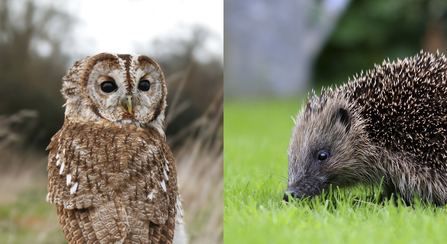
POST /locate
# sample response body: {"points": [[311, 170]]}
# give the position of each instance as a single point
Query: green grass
{"points": [[30, 219], [256, 137]]}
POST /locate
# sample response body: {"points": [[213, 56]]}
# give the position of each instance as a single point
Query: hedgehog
{"points": [[385, 128]]}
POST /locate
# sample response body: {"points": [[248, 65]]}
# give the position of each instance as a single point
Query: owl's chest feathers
{"points": [[116, 155]]}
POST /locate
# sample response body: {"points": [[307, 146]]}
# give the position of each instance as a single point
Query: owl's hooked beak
{"points": [[129, 103]]}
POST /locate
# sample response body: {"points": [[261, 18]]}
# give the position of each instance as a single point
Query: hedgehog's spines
{"points": [[314, 97], [322, 92], [395, 93], [404, 108]]}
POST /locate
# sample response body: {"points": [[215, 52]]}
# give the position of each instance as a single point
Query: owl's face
{"points": [[116, 88]]}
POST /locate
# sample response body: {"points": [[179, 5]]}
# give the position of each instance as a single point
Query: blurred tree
{"points": [[32, 63], [371, 31], [193, 83]]}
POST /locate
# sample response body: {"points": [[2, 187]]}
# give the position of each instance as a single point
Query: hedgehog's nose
{"points": [[286, 196]]}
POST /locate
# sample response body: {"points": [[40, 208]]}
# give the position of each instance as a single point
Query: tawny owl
{"points": [[110, 172]]}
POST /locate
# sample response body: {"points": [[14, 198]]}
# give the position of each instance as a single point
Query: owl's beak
{"points": [[129, 103]]}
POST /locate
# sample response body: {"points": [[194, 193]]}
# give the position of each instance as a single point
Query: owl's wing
{"points": [[89, 166], [73, 182], [152, 191]]}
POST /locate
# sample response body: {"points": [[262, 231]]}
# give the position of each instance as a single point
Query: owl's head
{"points": [[115, 87]]}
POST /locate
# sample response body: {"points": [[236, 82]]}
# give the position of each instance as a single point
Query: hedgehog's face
{"points": [[323, 151]]}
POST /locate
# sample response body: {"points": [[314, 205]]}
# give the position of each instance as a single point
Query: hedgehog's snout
{"points": [[292, 194], [297, 193], [306, 186], [286, 196]]}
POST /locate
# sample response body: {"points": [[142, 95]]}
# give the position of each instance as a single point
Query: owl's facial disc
{"points": [[120, 92]]}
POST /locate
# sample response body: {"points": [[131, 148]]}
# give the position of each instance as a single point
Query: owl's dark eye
{"points": [[108, 86], [322, 155], [144, 85]]}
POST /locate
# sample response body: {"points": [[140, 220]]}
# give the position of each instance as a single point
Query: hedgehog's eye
{"points": [[322, 155]]}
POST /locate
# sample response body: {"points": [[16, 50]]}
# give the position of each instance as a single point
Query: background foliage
{"points": [[372, 31]]}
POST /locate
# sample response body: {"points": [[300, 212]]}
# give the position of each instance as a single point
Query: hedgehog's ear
{"points": [[342, 116]]}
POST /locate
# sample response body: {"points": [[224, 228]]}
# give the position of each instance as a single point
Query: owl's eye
{"points": [[144, 85], [108, 86], [322, 155]]}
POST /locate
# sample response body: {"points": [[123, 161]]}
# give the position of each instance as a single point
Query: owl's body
{"points": [[111, 173]]}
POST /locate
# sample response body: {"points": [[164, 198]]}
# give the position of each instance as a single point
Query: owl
{"points": [[110, 172]]}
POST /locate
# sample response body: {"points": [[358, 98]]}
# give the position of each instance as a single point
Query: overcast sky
{"points": [[122, 25]]}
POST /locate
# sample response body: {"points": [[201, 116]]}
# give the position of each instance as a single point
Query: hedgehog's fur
{"points": [[388, 124]]}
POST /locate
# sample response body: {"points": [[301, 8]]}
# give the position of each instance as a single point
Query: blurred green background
{"points": [[370, 32]]}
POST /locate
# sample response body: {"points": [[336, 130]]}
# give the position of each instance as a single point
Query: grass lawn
{"points": [[256, 137]]}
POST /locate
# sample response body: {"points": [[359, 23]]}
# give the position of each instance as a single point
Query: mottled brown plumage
{"points": [[110, 172], [388, 124]]}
